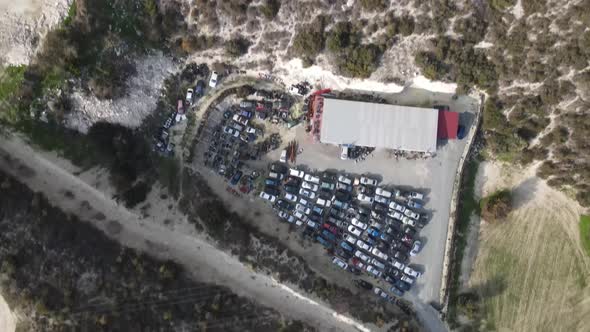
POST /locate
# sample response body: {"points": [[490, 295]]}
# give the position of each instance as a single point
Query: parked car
{"points": [[397, 264], [412, 214], [296, 173], [189, 96], [416, 195], [331, 228], [400, 256], [343, 187], [283, 215], [275, 175], [213, 79], [302, 208], [363, 284], [379, 254], [291, 189], [396, 291], [373, 232], [345, 180], [379, 292], [396, 215], [373, 271], [328, 236], [414, 204], [358, 223], [240, 120], [377, 264], [312, 179], [323, 202], [283, 157], [412, 273], [236, 178], [312, 224], [307, 193], [327, 186], [383, 192], [362, 245], [346, 246], [327, 244], [364, 198], [268, 197], [271, 182], [299, 215], [409, 222], [362, 256], [381, 199], [416, 247], [247, 104], [310, 186], [407, 279], [231, 131], [349, 238], [200, 88], [354, 231], [402, 286], [368, 181], [343, 152], [291, 197]]}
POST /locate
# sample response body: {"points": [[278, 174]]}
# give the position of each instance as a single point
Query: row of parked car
{"points": [[368, 228]]}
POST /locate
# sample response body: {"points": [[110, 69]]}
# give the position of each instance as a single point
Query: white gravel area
{"points": [[7, 319], [23, 23], [144, 88]]}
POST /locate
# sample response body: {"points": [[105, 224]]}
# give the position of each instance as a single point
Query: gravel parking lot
{"points": [[433, 176]]}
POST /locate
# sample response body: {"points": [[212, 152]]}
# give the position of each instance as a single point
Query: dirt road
{"points": [[7, 321], [201, 259]]}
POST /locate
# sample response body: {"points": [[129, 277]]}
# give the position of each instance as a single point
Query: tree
{"points": [[237, 47], [270, 9], [496, 206]]}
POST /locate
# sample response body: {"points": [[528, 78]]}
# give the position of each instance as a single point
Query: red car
{"points": [[331, 228]]}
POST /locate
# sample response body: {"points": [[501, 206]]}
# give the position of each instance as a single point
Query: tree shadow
{"points": [[524, 192]]}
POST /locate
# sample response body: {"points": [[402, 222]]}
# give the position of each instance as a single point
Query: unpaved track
{"points": [[200, 258], [7, 321]]}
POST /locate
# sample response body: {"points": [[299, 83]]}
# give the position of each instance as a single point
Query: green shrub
{"points": [[308, 42], [360, 61], [339, 38], [373, 5], [237, 47], [270, 9], [501, 4], [496, 206]]}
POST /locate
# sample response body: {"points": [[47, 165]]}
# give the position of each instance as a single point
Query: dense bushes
{"points": [[373, 5], [237, 47], [360, 61], [496, 206], [309, 42], [270, 8]]}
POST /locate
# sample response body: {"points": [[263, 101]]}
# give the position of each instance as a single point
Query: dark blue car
{"points": [[236, 178], [271, 182], [323, 242], [329, 236]]}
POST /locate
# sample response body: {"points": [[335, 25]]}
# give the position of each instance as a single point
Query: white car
{"points": [[396, 215], [298, 222], [416, 247], [283, 215], [368, 181], [362, 256], [294, 89], [379, 254], [407, 279], [379, 292], [275, 175], [377, 264], [365, 198], [296, 173], [359, 224], [292, 219], [290, 197], [349, 238], [373, 271], [412, 214], [416, 195], [270, 198], [383, 192], [381, 199], [397, 264], [361, 244], [409, 222], [213, 79], [343, 152], [310, 186], [340, 263], [231, 131], [397, 207], [344, 180], [312, 224], [299, 215], [307, 193], [354, 231], [312, 179], [323, 202], [189, 96], [302, 208], [303, 201], [411, 272], [283, 157]]}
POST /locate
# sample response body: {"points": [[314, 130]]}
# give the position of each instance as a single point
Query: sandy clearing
{"points": [[531, 270], [7, 319], [201, 259]]}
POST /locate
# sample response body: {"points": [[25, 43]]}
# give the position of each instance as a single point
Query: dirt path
{"points": [[200, 258], [7, 320]]}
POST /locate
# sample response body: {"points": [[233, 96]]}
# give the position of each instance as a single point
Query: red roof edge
{"points": [[448, 124]]}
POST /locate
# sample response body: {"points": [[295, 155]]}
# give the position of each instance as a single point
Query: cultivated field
{"points": [[530, 270]]}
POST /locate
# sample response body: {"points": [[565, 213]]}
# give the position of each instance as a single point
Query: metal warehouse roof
{"points": [[379, 125]]}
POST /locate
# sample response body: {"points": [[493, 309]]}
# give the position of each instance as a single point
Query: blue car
{"points": [[329, 236], [323, 242], [396, 291], [373, 232], [403, 286], [271, 182], [346, 246], [415, 205], [246, 114], [236, 178]]}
